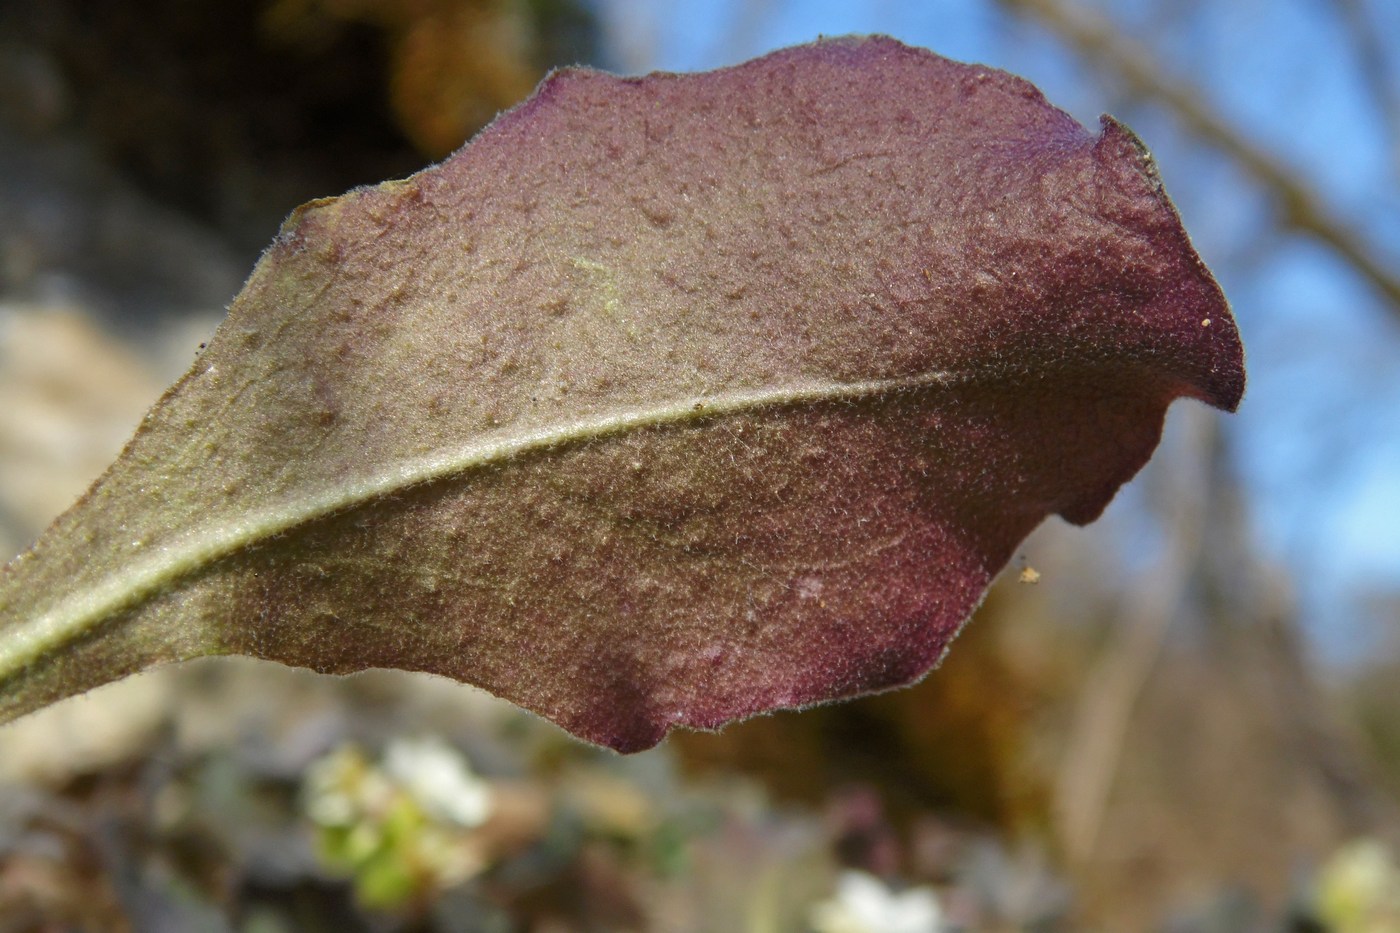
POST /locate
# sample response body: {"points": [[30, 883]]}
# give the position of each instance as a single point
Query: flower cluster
{"points": [[864, 904], [403, 828]]}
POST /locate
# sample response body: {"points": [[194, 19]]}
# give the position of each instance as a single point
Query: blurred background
{"points": [[1191, 723]]}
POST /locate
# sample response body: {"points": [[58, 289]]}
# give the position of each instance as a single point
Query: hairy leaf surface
{"points": [[665, 401]]}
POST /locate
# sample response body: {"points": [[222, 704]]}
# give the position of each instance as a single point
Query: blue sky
{"points": [[1318, 438]]}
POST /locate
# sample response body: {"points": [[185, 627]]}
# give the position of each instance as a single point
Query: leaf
{"points": [[665, 401]]}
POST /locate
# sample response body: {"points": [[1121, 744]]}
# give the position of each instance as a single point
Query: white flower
{"points": [[863, 904], [332, 789], [1359, 889], [439, 779]]}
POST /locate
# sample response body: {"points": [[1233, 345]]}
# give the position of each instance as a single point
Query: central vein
{"points": [[145, 578]]}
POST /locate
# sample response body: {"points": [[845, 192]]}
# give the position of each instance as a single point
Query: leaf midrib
{"points": [[29, 642]]}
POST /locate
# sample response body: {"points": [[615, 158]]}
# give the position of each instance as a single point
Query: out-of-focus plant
{"points": [[1358, 889], [405, 827], [865, 904]]}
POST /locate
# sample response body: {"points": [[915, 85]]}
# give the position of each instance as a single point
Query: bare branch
{"points": [[1109, 701], [1300, 208]]}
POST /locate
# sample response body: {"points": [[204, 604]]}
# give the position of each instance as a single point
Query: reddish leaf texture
{"points": [[664, 402]]}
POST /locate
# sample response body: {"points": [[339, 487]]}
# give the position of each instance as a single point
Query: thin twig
{"points": [[1109, 700]]}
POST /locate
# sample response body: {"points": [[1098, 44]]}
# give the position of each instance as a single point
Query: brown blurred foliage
{"points": [[238, 111], [452, 65]]}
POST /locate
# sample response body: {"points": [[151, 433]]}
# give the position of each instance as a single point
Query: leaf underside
{"points": [[665, 401]]}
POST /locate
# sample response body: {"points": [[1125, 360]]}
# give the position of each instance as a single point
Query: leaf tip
{"points": [[1211, 361]]}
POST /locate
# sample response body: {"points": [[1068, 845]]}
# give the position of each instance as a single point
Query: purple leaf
{"points": [[665, 401]]}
